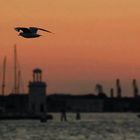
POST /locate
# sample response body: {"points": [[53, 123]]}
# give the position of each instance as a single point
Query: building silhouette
{"points": [[112, 93], [37, 93], [35, 102], [135, 88]]}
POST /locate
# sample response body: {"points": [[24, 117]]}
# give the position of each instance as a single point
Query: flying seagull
{"points": [[30, 32]]}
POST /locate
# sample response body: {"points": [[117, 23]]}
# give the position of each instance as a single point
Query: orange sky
{"points": [[95, 41]]}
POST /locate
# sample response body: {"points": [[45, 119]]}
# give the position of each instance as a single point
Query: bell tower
{"points": [[37, 93], [37, 75]]}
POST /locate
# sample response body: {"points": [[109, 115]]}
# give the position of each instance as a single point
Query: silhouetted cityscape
{"points": [[36, 101]]}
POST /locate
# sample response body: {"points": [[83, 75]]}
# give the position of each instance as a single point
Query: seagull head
{"points": [[20, 34]]}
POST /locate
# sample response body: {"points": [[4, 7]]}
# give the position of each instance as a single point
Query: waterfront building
{"points": [[37, 94]]}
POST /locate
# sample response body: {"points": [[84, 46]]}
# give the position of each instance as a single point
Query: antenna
{"points": [[3, 78]]}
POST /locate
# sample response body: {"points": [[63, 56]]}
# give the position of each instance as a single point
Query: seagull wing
{"points": [[33, 29], [25, 30], [44, 30]]}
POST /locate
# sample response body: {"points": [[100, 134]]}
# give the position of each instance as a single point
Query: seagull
{"points": [[30, 32]]}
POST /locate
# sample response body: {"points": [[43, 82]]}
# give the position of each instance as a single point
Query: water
{"points": [[92, 127]]}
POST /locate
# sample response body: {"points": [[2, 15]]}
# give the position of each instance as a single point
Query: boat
{"points": [[26, 117]]}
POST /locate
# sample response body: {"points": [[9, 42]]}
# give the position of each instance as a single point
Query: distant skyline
{"points": [[95, 41]]}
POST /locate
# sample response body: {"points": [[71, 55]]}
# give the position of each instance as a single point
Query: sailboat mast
{"points": [[3, 78], [15, 69], [18, 81]]}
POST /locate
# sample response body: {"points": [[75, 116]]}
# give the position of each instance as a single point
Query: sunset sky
{"points": [[94, 41]]}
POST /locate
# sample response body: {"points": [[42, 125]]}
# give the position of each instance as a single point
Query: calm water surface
{"points": [[91, 127]]}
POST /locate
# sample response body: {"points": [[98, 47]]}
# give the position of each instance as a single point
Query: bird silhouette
{"points": [[30, 32]]}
